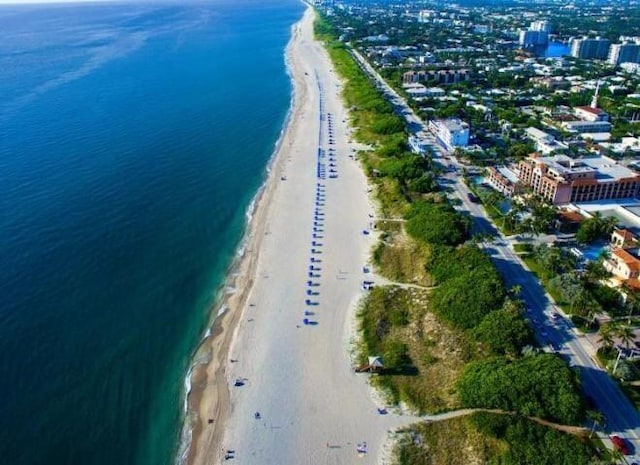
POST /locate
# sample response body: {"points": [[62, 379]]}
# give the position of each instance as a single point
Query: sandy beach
{"points": [[276, 384]]}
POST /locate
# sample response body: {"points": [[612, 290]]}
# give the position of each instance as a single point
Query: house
{"points": [[590, 114], [623, 239], [623, 265], [568, 221], [545, 143]]}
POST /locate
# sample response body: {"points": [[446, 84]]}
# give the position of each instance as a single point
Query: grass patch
{"points": [[433, 355], [449, 442], [523, 247], [492, 212], [490, 438], [537, 270], [402, 259]]}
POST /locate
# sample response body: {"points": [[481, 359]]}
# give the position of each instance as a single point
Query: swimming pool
{"points": [[594, 251]]}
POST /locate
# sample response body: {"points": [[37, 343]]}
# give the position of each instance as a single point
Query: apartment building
{"points": [[624, 53], [450, 133], [439, 76], [561, 179], [597, 48]]}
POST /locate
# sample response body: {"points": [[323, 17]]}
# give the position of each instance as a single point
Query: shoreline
{"points": [[206, 388], [287, 330]]}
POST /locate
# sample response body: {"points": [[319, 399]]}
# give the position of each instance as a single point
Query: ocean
{"points": [[133, 137]]}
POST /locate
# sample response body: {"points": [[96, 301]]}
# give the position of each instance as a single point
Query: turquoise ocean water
{"points": [[133, 137]]}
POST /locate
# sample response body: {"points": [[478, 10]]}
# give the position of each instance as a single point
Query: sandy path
{"points": [[313, 408]]}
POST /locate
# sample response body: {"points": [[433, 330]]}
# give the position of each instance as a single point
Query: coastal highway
{"points": [[553, 330]]}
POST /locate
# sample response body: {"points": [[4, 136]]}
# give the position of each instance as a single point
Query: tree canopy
{"points": [[504, 331], [469, 286], [437, 223], [594, 228], [532, 444], [541, 386]]}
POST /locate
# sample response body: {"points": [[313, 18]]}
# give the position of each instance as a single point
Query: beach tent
{"points": [[374, 365]]}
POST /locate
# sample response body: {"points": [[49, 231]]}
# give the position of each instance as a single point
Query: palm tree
{"points": [[597, 418], [626, 334], [632, 302], [585, 306], [493, 199], [595, 271], [608, 224], [606, 337], [515, 290], [526, 227], [510, 218]]}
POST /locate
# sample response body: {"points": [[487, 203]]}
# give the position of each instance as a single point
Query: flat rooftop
{"points": [[508, 173], [626, 211], [454, 124], [605, 168]]}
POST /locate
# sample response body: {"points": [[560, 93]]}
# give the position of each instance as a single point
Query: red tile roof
{"points": [[595, 111], [632, 262], [625, 234]]}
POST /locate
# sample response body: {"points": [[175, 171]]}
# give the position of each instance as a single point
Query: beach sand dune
{"points": [[313, 408]]}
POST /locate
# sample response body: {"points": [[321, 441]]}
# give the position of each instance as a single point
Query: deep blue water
{"points": [[132, 139]]}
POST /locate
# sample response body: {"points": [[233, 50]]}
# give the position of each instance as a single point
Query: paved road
{"points": [[557, 334]]}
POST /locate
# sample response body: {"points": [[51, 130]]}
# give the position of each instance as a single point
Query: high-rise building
{"points": [[542, 26], [624, 53], [530, 38], [597, 48]]}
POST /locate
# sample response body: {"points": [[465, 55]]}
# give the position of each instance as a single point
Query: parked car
{"points": [[620, 444]]}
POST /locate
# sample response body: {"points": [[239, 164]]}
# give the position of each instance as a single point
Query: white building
{"points": [[529, 38], [544, 26], [538, 136], [450, 133], [624, 53], [587, 126], [590, 114], [435, 92], [415, 90], [586, 48], [546, 144]]}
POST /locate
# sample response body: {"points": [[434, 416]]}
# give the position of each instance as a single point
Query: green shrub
{"points": [[532, 444], [505, 332], [437, 223], [541, 386]]}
